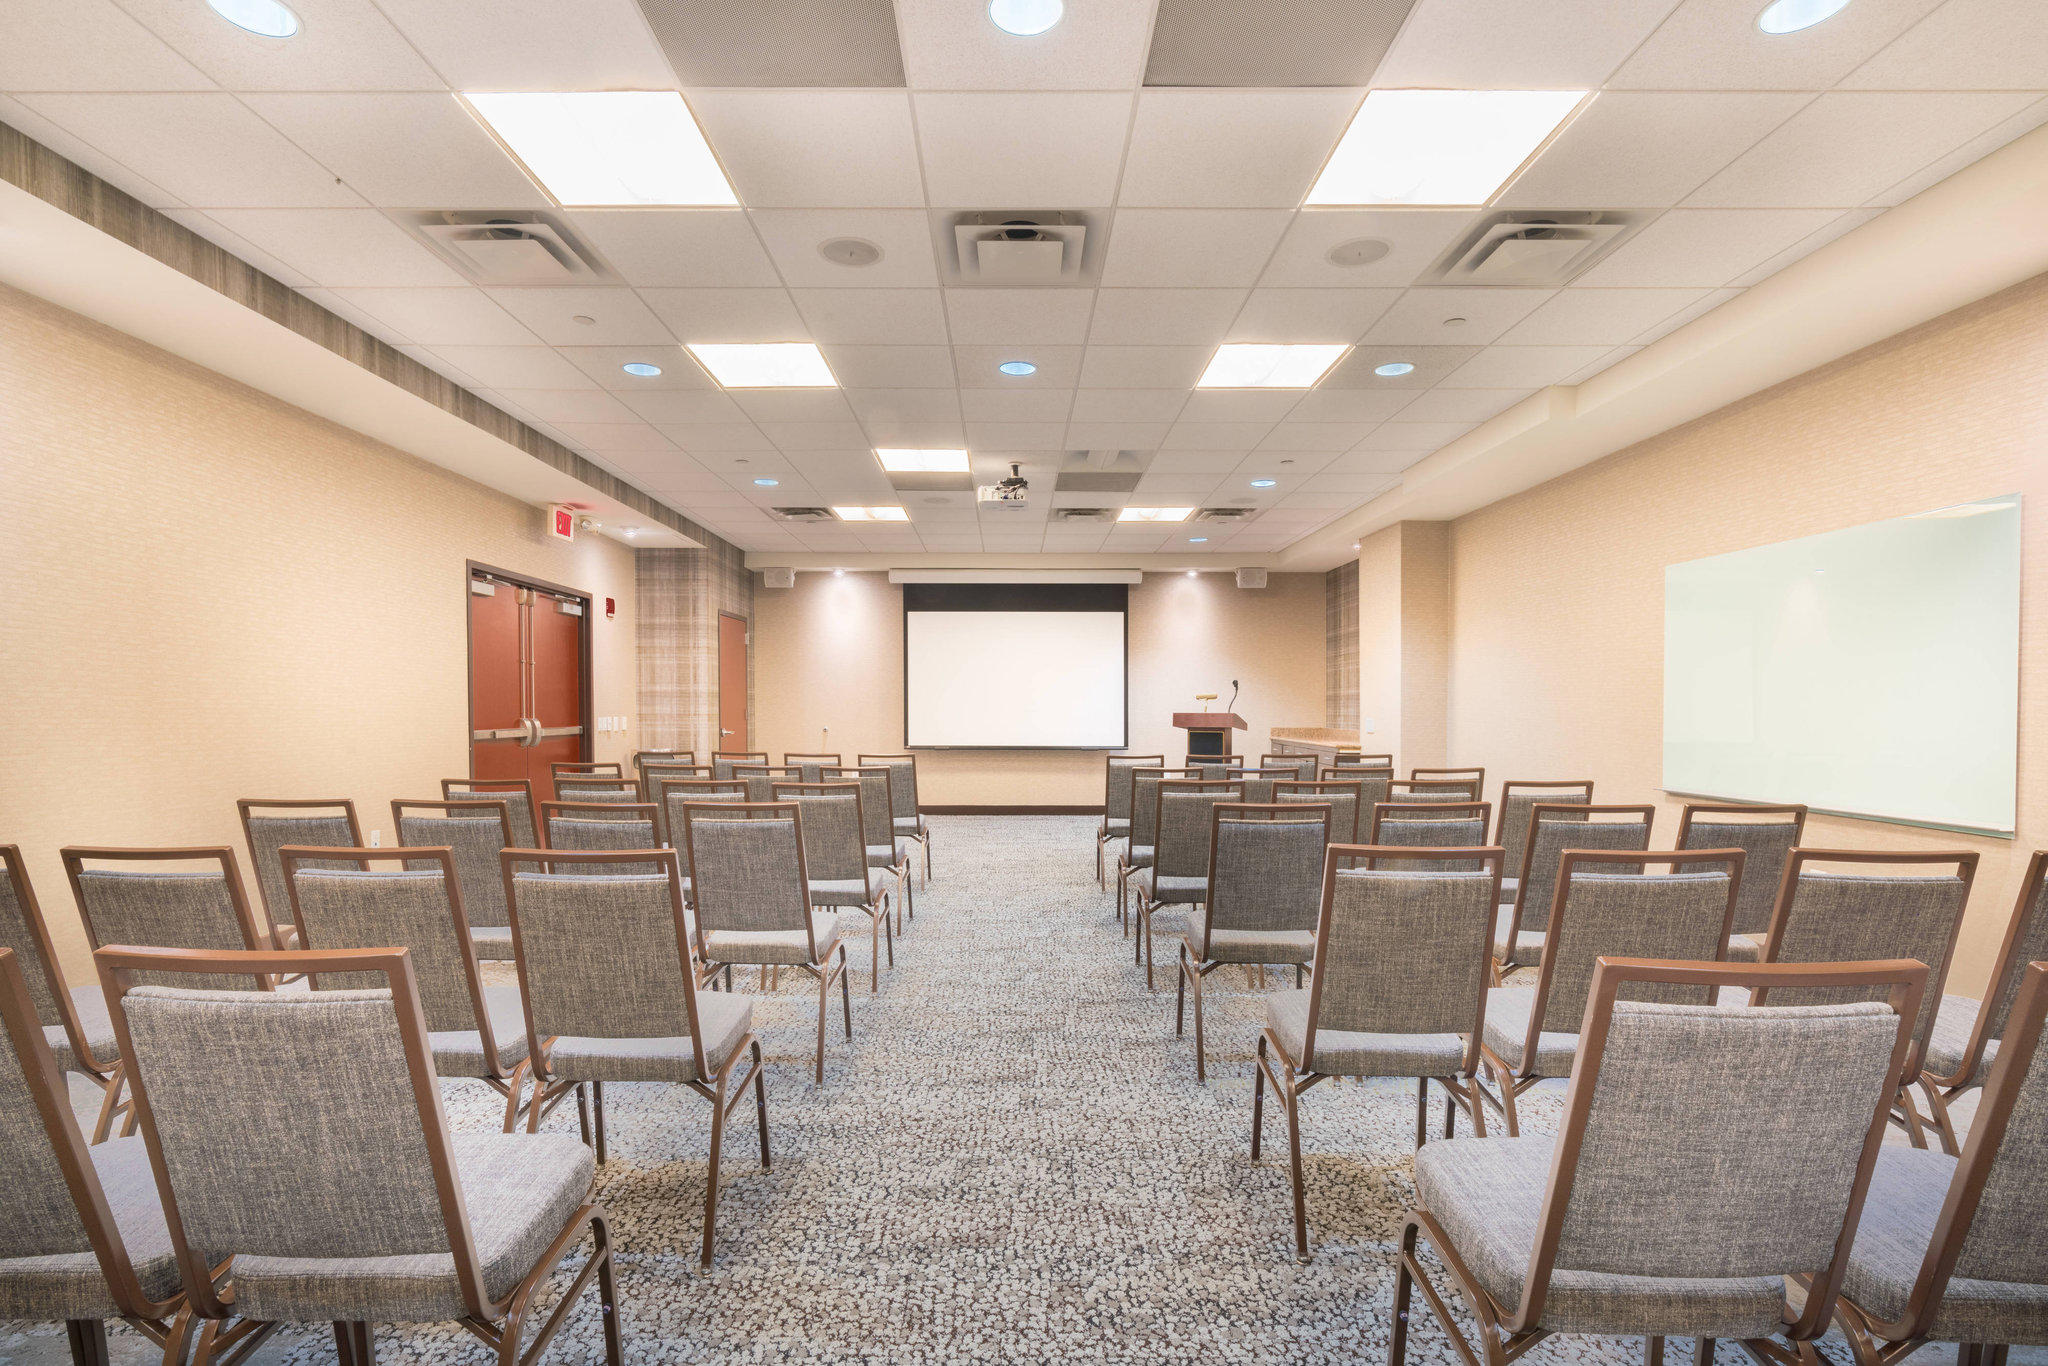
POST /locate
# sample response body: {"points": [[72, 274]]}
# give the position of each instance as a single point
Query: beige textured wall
{"points": [[1557, 594], [828, 654], [206, 594], [1404, 643], [1379, 643]]}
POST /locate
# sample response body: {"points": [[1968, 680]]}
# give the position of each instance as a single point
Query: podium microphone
{"points": [[1232, 704]]}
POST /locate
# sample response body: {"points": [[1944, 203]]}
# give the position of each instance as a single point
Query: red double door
{"points": [[528, 679]]}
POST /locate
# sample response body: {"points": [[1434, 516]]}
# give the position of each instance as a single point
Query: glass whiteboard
{"points": [[1872, 671]]}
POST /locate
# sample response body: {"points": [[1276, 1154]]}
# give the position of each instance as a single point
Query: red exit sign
{"points": [[562, 522]]}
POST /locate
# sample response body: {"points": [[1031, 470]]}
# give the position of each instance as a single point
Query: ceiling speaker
{"points": [[778, 576], [1251, 578]]}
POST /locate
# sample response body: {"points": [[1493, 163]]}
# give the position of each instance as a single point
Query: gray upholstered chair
{"points": [[811, 767], [1951, 1250], [475, 831], [606, 768], [723, 761], [1411, 790], [1304, 765], [655, 772], [268, 826], [75, 1023], [1610, 1228], [1369, 1012], [1351, 758], [1768, 835], [836, 867], [299, 1144], [339, 901], [596, 790], [886, 850], [82, 1233], [1435, 778], [1265, 886], [686, 758], [1116, 803], [1178, 879], [905, 813], [1517, 797], [1432, 825], [1553, 829], [1259, 782], [1606, 905], [1967, 1036], [611, 990], [754, 906], [671, 795], [1840, 917], [576, 825], [762, 778], [516, 793], [1341, 796], [1136, 855]]}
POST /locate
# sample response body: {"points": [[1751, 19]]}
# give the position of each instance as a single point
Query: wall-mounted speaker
{"points": [[1251, 578], [778, 576]]}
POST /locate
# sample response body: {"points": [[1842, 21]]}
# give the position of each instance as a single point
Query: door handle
{"points": [[531, 726], [724, 732]]}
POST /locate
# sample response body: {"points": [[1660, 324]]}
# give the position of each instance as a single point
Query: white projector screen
{"points": [[1872, 671], [1009, 666]]}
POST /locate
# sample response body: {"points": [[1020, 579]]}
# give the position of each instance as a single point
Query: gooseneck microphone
{"points": [[1233, 696]]}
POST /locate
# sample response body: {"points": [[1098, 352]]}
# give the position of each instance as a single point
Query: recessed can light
{"points": [[641, 368], [1025, 18], [1393, 368], [1191, 573], [1198, 540], [1790, 16], [1018, 367], [768, 483], [264, 18], [1264, 483], [839, 573]]}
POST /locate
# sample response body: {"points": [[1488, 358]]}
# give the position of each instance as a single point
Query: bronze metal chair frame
{"points": [[905, 907], [768, 775], [593, 782], [1124, 867], [483, 787], [598, 769], [478, 806], [603, 811], [1537, 811], [1397, 787], [736, 756], [16, 871], [1293, 761], [1352, 758], [507, 1084], [1513, 785], [652, 775], [1507, 1332], [923, 834], [821, 968], [1513, 1081], [1193, 971], [1291, 1077], [1134, 762], [797, 760], [1356, 773], [1141, 947], [1796, 810], [1321, 785], [880, 933], [643, 757], [208, 1327], [278, 916], [1384, 813], [1433, 776], [663, 793], [51, 1095]]}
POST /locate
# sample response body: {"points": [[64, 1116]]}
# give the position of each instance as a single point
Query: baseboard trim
{"points": [[1012, 810]]}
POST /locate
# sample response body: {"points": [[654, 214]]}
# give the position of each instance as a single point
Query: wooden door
{"points": [[732, 682], [528, 679]]}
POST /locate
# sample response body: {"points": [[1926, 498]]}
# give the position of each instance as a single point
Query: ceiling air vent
{"points": [[1084, 514], [1225, 514], [1525, 248], [805, 514], [517, 248], [1020, 248]]}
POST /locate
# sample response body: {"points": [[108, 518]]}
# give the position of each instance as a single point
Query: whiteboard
{"points": [[1014, 680], [1872, 671]]}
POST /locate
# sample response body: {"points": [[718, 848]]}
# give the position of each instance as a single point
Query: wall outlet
{"points": [[376, 839]]}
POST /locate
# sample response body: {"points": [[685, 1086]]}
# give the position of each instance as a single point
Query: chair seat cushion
{"points": [[1507, 1034], [493, 942], [460, 1052], [724, 1017], [774, 946], [912, 826], [1350, 1053], [1745, 948], [1251, 946], [1487, 1193], [89, 1004], [1181, 891], [69, 1285], [1113, 827], [1510, 889], [888, 855], [1138, 856], [1948, 1043], [850, 891], [519, 1189], [1528, 945], [287, 934]]}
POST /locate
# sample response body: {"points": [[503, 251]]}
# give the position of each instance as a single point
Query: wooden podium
{"points": [[1209, 731]]}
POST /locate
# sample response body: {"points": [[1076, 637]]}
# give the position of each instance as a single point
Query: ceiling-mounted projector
{"points": [[1014, 492]]}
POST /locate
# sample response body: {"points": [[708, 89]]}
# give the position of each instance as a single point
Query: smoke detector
{"points": [[1020, 248]]}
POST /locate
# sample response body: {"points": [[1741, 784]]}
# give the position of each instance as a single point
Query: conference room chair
{"points": [[1352, 758], [1416, 1011], [1179, 876], [1411, 790], [1949, 1250], [1518, 935], [1216, 764], [1436, 777], [1341, 797], [762, 778], [878, 830], [836, 865], [811, 767], [1830, 916], [516, 793], [1606, 905], [654, 772], [592, 790], [673, 794], [579, 827], [82, 1233], [1304, 765], [1258, 782], [1375, 785], [642, 758], [474, 832], [608, 768], [268, 826], [123, 897], [1768, 835], [746, 865], [1967, 1037], [1136, 855], [1517, 797], [1605, 1231], [905, 813], [1432, 825], [1116, 802], [1265, 888], [722, 760], [374, 1213], [74, 1022]]}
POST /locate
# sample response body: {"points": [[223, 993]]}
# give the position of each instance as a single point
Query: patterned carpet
{"points": [[1011, 1162]]}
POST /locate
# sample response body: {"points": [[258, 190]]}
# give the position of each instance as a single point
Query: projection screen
{"points": [[1872, 671], [1014, 666]]}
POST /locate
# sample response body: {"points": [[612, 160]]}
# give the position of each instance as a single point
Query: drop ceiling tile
{"points": [[903, 235], [1040, 148], [1128, 405], [620, 438], [1199, 485], [1414, 239], [25, 120], [728, 315], [1214, 436], [1647, 149], [439, 365], [1222, 148], [678, 248], [1716, 45], [1431, 364], [814, 436], [1461, 405], [1593, 317], [1314, 436], [1218, 463], [341, 45], [441, 317], [1015, 436], [1964, 45], [403, 150], [793, 405], [209, 150], [1977, 148], [1703, 248], [1239, 405], [1053, 317], [905, 405], [1309, 315], [1412, 436], [1358, 485], [1522, 367], [1144, 367], [377, 327], [717, 444], [1594, 367], [535, 44], [813, 149], [1350, 405], [1380, 463], [1137, 317], [88, 45], [1192, 247], [602, 363], [1058, 366], [909, 435], [569, 405], [951, 46], [231, 242], [873, 317], [1840, 226], [1511, 45], [1848, 146], [891, 367], [1427, 317], [1016, 405], [1706, 304], [339, 247], [1115, 436], [617, 317], [516, 367]]}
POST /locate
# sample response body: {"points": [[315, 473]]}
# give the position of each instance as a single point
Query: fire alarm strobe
{"points": [[561, 521]]}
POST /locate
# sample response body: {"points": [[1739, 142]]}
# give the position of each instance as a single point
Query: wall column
{"points": [[1404, 630]]}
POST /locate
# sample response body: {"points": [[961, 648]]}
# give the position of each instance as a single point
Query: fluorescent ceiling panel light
{"points": [[765, 365], [608, 147], [922, 462], [1438, 146], [888, 514], [1257, 365], [1155, 514]]}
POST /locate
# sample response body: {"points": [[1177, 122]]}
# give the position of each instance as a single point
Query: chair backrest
{"points": [[1766, 834], [516, 793], [268, 826], [902, 780], [1432, 825], [1185, 820], [1116, 782], [603, 769], [672, 794], [723, 760], [878, 824], [833, 818], [1517, 795], [1438, 778], [357, 1165], [1662, 1093], [2026, 941], [747, 869], [1375, 785], [1839, 917], [24, 931], [603, 947], [1351, 758], [1411, 790], [1304, 765], [1145, 800], [655, 771], [577, 787], [1435, 981], [476, 832], [643, 758], [124, 900], [762, 778], [1266, 866], [1258, 782], [1210, 763], [1571, 825], [811, 767], [1340, 796], [580, 827]]}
